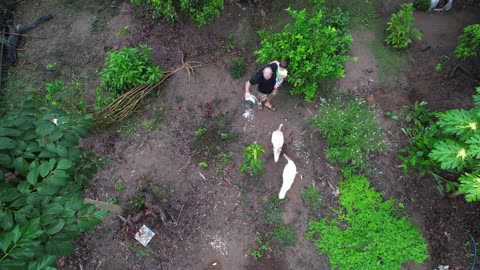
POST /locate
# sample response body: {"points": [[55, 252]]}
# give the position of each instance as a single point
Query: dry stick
{"points": [[113, 208], [178, 218], [22, 35]]}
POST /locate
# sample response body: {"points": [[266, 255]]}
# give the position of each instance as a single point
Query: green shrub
{"points": [[315, 45], [42, 174], [238, 68], [252, 163], [448, 141], [312, 198], [66, 97], [400, 28], [350, 128], [469, 42], [199, 12], [129, 68], [422, 5], [368, 233]]}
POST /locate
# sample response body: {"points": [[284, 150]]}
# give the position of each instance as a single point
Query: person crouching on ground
{"points": [[266, 80]]}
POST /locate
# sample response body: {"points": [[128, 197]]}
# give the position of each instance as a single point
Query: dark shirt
{"points": [[265, 86]]}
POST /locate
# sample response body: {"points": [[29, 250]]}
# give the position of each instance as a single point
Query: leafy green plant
{"points": [[367, 233], [199, 12], [469, 42], [238, 68], [400, 28], [422, 5], [449, 141], [252, 163], [312, 198], [66, 97], [350, 128], [200, 131], [315, 45], [42, 173], [258, 253], [128, 68], [203, 164]]}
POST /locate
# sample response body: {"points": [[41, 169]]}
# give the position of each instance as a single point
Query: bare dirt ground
{"points": [[215, 226]]}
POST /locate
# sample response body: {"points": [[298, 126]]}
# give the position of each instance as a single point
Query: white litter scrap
{"points": [[144, 235]]}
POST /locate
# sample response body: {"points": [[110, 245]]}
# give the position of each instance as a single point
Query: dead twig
{"points": [[23, 35], [179, 214]]}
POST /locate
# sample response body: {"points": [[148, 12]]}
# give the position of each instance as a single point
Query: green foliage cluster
{"points": [[368, 233], [252, 163], [469, 42], [448, 141], [315, 45], [400, 28], [42, 173], [238, 68], [277, 233], [312, 198], [66, 97], [212, 138], [422, 5], [199, 12], [129, 68], [350, 128]]}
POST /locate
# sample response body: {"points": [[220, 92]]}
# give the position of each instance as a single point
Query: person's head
{"points": [[267, 73], [284, 64]]}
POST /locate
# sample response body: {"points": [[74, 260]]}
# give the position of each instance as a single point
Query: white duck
{"points": [[277, 141], [289, 173]]}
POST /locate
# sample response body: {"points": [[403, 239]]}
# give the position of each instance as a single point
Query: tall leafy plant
{"points": [[199, 12], [315, 44], [400, 28], [452, 144], [42, 173], [128, 68], [252, 163], [469, 42]]}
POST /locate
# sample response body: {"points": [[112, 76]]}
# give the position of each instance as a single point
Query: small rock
{"points": [[369, 70], [425, 47]]}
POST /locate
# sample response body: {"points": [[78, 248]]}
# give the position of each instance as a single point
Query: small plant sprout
{"points": [[199, 132], [224, 136], [51, 66], [355, 59], [203, 164], [252, 163], [122, 31]]}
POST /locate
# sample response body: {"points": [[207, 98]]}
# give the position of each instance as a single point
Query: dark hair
{"points": [[284, 64]]}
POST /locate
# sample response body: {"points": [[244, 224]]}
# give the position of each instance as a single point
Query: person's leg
{"points": [[267, 102]]}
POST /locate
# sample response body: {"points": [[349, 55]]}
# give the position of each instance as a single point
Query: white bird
{"points": [[289, 173], [277, 141]]}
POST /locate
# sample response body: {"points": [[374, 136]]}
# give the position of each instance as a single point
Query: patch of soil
{"points": [[212, 227]]}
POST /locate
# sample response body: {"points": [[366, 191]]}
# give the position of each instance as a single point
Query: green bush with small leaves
{"points": [[315, 45], [199, 12], [128, 68], [312, 198], [422, 5], [469, 42], [238, 68], [43, 171], [350, 128], [400, 28], [367, 232]]}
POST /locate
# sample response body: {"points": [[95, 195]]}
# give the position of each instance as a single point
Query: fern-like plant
{"points": [[252, 163], [400, 28], [469, 42]]}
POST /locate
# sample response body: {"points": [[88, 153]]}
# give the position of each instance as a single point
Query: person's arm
{"points": [[275, 62], [247, 89]]}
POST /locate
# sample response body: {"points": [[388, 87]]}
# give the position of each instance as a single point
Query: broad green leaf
{"points": [[64, 164], [22, 253], [45, 128], [59, 246], [55, 227], [75, 203], [8, 193], [6, 161], [44, 169], [32, 229], [55, 135], [42, 263], [450, 155], [10, 132], [5, 241], [8, 264], [47, 189], [32, 176], [7, 143], [52, 162], [20, 218], [470, 185], [474, 146], [52, 209], [15, 234], [57, 180]]}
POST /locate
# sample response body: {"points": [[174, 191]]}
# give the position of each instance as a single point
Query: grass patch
{"points": [[275, 233], [211, 139], [312, 198], [367, 233], [351, 130]]}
